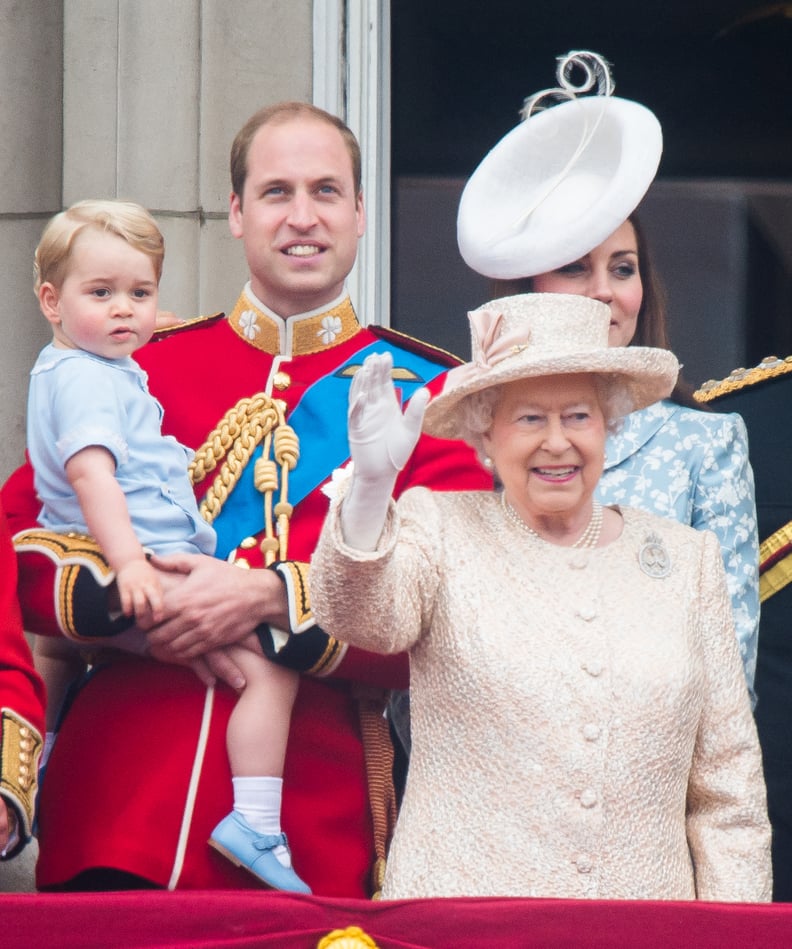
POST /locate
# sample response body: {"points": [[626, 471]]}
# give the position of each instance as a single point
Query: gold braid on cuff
{"points": [[20, 748]]}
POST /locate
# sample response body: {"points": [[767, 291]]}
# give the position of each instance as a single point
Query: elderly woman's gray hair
{"points": [[476, 411]]}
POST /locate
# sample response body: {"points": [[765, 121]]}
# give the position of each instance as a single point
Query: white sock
{"points": [[258, 800]]}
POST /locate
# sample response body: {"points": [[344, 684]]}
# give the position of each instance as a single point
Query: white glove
{"points": [[381, 440]]}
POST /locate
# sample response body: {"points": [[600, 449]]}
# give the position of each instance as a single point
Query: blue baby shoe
{"points": [[236, 840]]}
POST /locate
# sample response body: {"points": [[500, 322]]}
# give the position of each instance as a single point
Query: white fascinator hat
{"points": [[563, 180], [545, 334]]}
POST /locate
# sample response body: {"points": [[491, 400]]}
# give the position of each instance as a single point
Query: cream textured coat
{"points": [[580, 724]]}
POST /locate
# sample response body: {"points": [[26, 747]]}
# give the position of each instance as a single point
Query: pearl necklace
{"points": [[589, 538]]}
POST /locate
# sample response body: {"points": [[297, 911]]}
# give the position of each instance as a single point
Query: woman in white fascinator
{"points": [[580, 722], [551, 209]]}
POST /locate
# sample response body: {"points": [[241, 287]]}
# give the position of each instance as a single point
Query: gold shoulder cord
{"points": [[250, 422]]}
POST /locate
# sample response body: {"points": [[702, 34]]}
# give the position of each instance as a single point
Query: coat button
{"points": [[588, 798], [282, 380], [591, 732], [584, 863]]}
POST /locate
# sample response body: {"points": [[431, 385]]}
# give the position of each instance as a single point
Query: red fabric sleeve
{"points": [[21, 689], [36, 572]]}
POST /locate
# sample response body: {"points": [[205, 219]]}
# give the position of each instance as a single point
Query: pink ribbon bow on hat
{"points": [[492, 346]]}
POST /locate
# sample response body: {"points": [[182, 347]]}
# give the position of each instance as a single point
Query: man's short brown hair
{"points": [[284, 112]]}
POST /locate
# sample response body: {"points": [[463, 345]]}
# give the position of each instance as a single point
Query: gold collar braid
{"points": [[296, 336], [250, 422]]}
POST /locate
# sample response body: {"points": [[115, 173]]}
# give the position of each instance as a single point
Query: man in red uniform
{"points": [[139, 775], [21, 712]]}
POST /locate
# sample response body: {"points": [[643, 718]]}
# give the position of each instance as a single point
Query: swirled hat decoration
{"points": [[563, 180]]}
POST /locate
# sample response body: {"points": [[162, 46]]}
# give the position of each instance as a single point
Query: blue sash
{"points": [[319, 419]]}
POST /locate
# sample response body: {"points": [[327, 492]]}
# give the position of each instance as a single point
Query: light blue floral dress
{"points": [[692, 466]]}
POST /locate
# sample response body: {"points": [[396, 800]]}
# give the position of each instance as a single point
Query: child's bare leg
{"points": [[258, 729]]}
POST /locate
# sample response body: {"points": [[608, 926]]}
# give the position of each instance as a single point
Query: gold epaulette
{"points": [[180, 327], [769, 368]]}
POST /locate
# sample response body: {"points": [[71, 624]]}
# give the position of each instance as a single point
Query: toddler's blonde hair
{"points": [[125, 219]]}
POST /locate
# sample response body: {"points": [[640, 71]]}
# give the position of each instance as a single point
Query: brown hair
{"points": [[125, 219], [284, 112], [651, 328]]}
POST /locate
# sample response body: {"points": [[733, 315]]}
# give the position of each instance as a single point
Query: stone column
{"points": [[30, 191]]}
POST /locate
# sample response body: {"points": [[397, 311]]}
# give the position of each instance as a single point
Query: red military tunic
{"points": [[139, 775], [21, 700]]}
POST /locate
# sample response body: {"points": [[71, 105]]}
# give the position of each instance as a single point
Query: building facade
{"points": [[140, 100]]}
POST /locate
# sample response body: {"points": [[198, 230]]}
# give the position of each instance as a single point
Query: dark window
{"points": [[718, 75]]}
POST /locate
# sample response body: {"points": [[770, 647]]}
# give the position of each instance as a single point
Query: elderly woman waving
{"points": [[581, 724]]}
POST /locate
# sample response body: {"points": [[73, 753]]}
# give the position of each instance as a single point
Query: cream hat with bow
{"points": [[547, 334], [563, 180]]}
